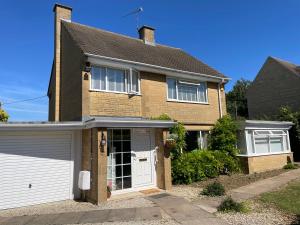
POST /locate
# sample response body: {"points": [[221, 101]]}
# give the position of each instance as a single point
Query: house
{"points": [[104, 91], [99, 74], [264, 145], [277, 84]]}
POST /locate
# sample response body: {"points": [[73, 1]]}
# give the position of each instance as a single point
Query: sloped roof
{"points": [[108, 44], [290, 66]]}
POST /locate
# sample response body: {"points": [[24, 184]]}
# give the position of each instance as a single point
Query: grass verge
{"points": [[287, 198]]}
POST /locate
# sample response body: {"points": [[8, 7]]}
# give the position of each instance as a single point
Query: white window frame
{"points": [[127, 84], [179, 81], [255, 133]]}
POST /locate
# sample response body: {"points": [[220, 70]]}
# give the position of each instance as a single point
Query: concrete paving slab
{"points": [[121, 215], [95, 216], [43, 220], [66, 218], [19, 220], [209, 205], [148, 213], [88, 217], [185, 212], [3, 219]]}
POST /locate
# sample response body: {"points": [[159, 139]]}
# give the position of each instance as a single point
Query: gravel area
{"points": [[239, 179], [189, 192], [73, 206], [260, 214], [192, 192]]}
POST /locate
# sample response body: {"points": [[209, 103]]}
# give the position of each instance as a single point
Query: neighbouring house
{"points": [[277, 84], [264, 145], [104, 91]]}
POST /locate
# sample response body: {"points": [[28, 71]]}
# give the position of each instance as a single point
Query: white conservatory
{"points": [[264, 145]]}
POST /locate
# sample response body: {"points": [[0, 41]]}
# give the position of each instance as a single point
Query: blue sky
{"points": [[233, 36]]}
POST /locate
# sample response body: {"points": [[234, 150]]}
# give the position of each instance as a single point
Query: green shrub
{"points": [[194, 166], [214, 189], [183, 172], [200, 164], [179, 132], [228, 164], [290, 166], [229, 205], [223, 136], [163, 116], [205, 162]]}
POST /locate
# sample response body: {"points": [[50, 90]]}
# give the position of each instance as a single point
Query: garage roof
{"points": [[90, 122]]}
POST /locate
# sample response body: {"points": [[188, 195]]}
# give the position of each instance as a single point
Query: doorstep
{"points": [[142, 193]]}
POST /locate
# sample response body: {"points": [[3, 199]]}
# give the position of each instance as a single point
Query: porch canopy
{"points": [[258, 137], [127, 122], [87, 123]]}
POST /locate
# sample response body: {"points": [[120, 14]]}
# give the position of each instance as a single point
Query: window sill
{"points": [[201, 103], [264, 154], [116, 92]]}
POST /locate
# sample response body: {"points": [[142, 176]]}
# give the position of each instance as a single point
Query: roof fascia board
{"points": [[13, 127], [264, 125], [109, 61]]}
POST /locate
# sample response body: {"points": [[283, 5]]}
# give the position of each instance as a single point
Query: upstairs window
{"points": [[187, 91], [115, 80]]}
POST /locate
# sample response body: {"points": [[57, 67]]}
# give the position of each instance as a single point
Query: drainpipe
{"points": [[219, 98]]}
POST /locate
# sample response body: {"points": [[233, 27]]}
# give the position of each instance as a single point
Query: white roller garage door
{"points": [[35, 168]]}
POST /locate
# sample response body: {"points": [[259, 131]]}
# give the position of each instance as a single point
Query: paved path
{"points": [[94, 216], [252, 190], [183, 211], [262, 186]]}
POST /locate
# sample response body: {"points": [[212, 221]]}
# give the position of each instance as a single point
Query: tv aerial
{"points": [[135, 13]]}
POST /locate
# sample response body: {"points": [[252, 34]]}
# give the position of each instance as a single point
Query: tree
{"points": [[3, 115], [236, 100], [286, 114]]}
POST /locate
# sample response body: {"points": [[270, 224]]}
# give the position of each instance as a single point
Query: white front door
{"points": [[143, 147]]}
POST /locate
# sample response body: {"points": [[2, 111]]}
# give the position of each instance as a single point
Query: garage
{"points": [[38, 166]]}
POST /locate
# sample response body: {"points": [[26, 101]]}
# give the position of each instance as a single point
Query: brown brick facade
{"points": [[60, 13], [71, 80], [256, 164], [114, 104], [153, 102], [274, 86]]}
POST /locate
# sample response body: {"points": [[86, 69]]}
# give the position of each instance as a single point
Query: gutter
{"points": [[157, 67], [219, 98]]}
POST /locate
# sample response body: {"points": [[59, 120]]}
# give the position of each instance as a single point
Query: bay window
{"points": [[115, 80], [179, 90]]}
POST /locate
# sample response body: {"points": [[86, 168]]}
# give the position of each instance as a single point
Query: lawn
{"points": [[287, 198]]}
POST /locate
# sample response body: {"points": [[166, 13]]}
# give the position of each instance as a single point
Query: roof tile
{"points": [[108, 44]]}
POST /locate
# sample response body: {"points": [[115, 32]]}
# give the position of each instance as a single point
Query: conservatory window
{"points": [[270, 141]]}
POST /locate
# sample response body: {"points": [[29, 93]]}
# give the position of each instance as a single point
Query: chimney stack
{"points": [[146, 34], [61, 12]]}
